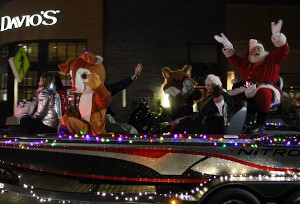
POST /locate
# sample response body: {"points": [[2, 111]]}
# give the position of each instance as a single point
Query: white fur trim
{"points": [[99, 59], [257, 58], [228, 52], [251, 91], [278, 40], [254, 43]]}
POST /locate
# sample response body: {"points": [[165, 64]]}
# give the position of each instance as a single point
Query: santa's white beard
{"points": [[257, 58]]}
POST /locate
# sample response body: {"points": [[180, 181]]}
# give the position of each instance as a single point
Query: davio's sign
{"points": [[47, 18]]}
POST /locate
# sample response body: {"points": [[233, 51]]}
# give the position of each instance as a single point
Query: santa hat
{"points": [[254, 43]]}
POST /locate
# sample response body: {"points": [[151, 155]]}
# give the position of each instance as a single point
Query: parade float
{"points": [[180, 168]]}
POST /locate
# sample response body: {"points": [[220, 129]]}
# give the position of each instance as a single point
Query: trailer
{"points": [[157, 168]]}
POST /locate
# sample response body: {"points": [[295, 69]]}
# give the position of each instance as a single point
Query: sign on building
{"points": [[19, 64]]}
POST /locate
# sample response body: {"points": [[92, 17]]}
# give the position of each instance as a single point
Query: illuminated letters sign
{"points": [[43, 18]]}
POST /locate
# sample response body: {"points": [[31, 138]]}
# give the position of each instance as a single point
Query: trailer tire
{"points": [[233, 196], [294, 198]]}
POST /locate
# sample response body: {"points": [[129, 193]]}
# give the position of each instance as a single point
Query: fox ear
{"points": [[166, 71], [188, 70], [65, 67]]}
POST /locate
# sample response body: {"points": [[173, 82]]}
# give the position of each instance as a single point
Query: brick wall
{"points": [[157, 34]]}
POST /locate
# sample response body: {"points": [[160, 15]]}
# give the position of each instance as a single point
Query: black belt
{"points": [[248, 83]]}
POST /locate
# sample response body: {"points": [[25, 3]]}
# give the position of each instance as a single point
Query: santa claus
{"points": [[259, 72]]}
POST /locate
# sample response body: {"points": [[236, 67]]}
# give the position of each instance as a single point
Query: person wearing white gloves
{"points": [[259, 71]]}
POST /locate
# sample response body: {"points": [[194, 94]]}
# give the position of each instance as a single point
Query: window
{"points": [[27, 93], [61, 51], [52, 52], [3, 55], [32, 50], [3, 88], [31, 79], [28, 85]]}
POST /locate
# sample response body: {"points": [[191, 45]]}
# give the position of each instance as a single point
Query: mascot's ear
{"points": [[188, 70], [166, 71], [99, 60], [65, 67], [88, 57]]}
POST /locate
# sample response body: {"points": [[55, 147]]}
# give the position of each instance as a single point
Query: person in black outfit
{"points": [[111, 124]]}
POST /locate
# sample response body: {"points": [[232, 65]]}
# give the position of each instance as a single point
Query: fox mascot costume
{"points": [[179, 85], [87, 75]]}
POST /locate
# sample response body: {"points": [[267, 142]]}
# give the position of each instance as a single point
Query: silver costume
{"points": [[49, 107]]}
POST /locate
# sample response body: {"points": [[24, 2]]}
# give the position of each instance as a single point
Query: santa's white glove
{"points": [[188, 87], [224, 40], [276, 28]]}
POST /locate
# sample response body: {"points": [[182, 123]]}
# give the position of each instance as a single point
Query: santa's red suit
{"points": [[259, 70], [263, 75]]}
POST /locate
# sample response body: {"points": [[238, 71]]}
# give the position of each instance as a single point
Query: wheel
{"points": [[294, 198], [232, 196]]}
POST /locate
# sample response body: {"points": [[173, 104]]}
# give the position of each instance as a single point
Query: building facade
{"points": [[154, 33], [168, 33]]}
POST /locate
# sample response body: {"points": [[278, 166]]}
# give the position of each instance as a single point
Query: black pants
{"points": [[213, 126], [36, 126]]}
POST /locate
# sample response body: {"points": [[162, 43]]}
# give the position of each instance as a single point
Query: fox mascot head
{"points": [[180, 87], [87, 76]]}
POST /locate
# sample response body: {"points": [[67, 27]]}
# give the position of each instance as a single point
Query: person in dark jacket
{"points": [[115, 88], [214, 115], [111, 125]]}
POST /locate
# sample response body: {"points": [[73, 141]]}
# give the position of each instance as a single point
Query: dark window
{"points": [[61, 51], [3, 55], [28, 85], [3, 89], [32, 50]]}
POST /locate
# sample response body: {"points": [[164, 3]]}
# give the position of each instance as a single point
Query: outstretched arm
{"points": [[279, 40], [123, 84], [277, 37], [228, 47], [137, 71]]}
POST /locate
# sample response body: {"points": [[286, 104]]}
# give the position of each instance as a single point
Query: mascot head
{"points": [[80, 69], [174, 79], [256, 50]]}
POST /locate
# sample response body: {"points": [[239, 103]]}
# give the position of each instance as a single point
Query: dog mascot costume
{"points": [[88, 75]]}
